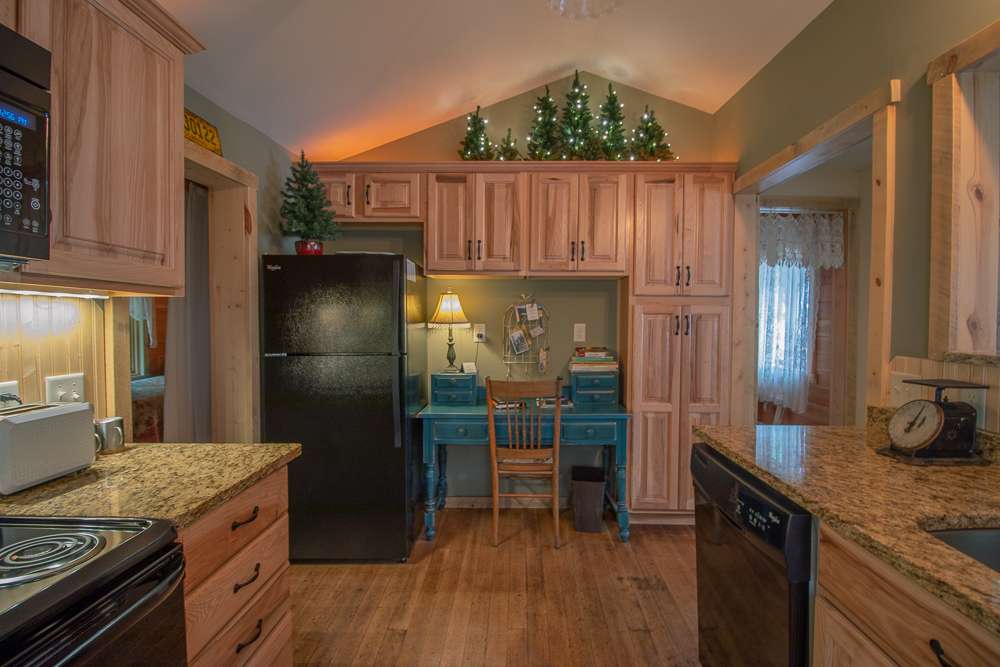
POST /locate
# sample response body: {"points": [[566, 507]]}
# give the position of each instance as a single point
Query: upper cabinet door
{"points": [[658, 204], [392, 196], [449, 230], [604, 223], [656, 399], [708, 228], [117, 146], [341, 190], [554, 217], [501, 213]]}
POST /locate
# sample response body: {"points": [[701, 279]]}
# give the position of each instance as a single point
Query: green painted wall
{"points": [[690, 130], [251, 149], [847, 51]]}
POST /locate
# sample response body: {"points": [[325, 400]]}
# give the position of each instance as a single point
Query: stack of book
{"points": [[592, 359]]}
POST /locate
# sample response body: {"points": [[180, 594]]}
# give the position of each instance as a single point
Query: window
{"points": [[786, 334]]}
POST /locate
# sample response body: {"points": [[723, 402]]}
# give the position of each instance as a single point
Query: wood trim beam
{"points": [[967, 53], [831, 204], [117, 360], [881, 262], [499, 166], [211, 170], [849, 127], [164, 23], [743, 375]]}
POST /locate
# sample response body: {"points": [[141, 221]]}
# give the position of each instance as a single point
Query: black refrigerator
{"points": [[343, 340]]}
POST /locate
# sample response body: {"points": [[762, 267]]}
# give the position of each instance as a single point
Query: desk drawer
{"points": [[216, 537], [266, 608], [595, 381], [461, 431], [452, 381], [453, 397], [219, 598], [600, 433], [599, 397]]}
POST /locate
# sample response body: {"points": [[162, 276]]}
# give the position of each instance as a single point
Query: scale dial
{"points": [[915, 425]]}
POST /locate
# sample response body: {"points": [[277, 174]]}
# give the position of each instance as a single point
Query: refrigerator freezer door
{"points": [[347, 492], [331, 304]]}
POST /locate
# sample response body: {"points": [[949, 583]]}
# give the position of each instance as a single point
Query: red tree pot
{"points": [[308, 247]]}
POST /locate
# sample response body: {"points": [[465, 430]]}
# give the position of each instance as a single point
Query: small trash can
{"points": [[588, 499]]}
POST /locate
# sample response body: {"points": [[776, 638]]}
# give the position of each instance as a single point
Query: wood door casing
{"points": [[500, 217], [604, 223], [554, 221], [659, 200], [117, 146], [450, 229], [656, 364], [392, 195], [708, 231], [341, 190]]}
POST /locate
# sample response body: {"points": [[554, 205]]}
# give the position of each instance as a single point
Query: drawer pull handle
{"points": [[939, 653], [348, 202], [590, 431], [253, 517], [243, 584], [677, 282], [256, 636], [462, 431], [595, 381], [688, 282], [368, 194]]}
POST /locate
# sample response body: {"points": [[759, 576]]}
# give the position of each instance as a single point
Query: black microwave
{"points": [[24, 149]]}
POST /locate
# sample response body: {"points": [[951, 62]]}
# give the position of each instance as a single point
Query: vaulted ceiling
{"points": [[337, 77]]}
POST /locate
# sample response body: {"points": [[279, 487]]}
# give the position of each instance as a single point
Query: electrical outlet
{"points": [[65, 388], [479, 333], [11, 387], [899, 392], [579, 332]]}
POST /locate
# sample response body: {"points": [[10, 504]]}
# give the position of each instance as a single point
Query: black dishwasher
{"points": [[754, 567]]}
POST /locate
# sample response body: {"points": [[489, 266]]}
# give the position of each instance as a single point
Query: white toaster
{"points": [[40, 442]]}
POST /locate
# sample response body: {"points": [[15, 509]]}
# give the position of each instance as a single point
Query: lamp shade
{"points": [[449, 312]]}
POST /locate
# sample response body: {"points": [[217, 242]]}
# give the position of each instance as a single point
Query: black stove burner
{"points": [[46, 555]]}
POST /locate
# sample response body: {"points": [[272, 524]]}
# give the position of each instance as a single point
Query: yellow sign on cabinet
{"points": [[201, 132]]}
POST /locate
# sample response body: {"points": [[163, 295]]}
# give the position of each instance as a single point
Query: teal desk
{"points": [[581, 426]]}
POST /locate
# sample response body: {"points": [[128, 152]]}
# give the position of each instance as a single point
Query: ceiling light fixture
{"points": [[583, 9]]}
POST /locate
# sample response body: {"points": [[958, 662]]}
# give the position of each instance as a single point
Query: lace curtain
{"points": [[793, 247], [808, 238]]}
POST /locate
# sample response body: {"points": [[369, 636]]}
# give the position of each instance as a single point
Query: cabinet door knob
{"points": [[939, 653], [677, 325], [468, 249], [572, 250], [479, 249], [677, 282], [688, 283], [687, 325], [348, 194], [590, 430], [583, 251], [368, 189], [462, 431]]}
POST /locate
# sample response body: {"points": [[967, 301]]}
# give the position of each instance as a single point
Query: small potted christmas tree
{"points": [[305, 209]]}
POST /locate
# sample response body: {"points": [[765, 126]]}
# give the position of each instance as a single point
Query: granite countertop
{"points": [[176, 482], [883, 505]]}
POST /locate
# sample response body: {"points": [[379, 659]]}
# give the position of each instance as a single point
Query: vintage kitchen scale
{"points": [[938, 432]]}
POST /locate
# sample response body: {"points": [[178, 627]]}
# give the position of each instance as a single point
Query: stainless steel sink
{"points": [[983, 544]]}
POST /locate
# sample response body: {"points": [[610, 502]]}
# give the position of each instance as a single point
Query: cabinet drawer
{"points": [[236, 643], [276, 648], [600, 433], [217, 536], [452, 381], [899, 616], [453, 397], [213, 604], [595, 381], [602, 397], [471, 431]]}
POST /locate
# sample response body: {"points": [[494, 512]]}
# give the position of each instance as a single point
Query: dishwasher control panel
{"points": [[761, 517]]}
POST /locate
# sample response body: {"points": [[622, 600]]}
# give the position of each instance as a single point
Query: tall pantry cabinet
{"points": [[678, 332]]}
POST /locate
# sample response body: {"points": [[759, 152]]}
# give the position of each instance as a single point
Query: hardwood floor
{"points": [[460, 601]]}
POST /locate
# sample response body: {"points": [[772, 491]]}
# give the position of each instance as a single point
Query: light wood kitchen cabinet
{"points": [[341, 190], [117, 143], [449, 234], [500, 216], [236, 588], [680, 361], [554, 216], [392, 195], [659, 201], [580, 222], [838, 643], [708, 229], [656, 409]]}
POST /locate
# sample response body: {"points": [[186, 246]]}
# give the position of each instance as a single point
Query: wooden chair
{"points": [[515, 407]]}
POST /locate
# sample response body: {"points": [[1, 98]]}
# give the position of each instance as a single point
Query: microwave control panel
{"points": [[23, 201]]}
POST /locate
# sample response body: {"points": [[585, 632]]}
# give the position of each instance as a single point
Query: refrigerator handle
{"points": [[397, 409]]}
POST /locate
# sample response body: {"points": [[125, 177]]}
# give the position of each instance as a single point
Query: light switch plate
{"points": [[579, 332], [10, 387], [479, 333], [65, 388]]}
